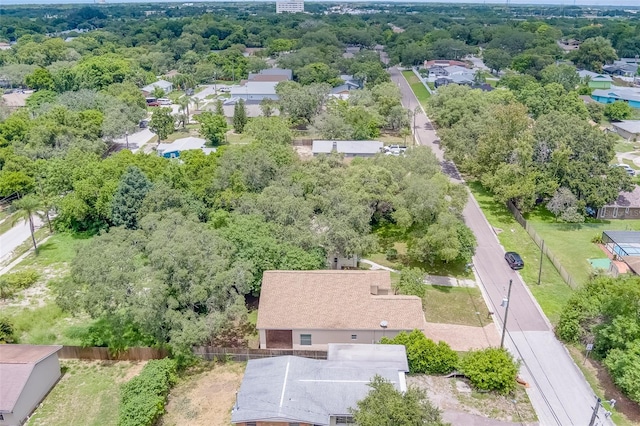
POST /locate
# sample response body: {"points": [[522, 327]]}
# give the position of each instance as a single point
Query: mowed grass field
{"points": [[552, 293], [418, 88], [571, 243], [455, 305], [87, 394]]}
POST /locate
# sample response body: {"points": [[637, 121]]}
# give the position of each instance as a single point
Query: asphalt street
{"points": [[16, 236], [558, 391]]}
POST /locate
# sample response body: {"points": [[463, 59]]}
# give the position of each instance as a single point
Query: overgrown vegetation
{"points": [[144, 397], [605, 312], [12, 283], [424, 355], [490, 369]]}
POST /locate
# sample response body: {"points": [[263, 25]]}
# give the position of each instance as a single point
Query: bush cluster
{"points": [[144, 397], [10, 284], [605, 312], [424, 355], [490, 369]]}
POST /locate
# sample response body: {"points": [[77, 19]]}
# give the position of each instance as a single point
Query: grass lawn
{"points": [[418, 88], [553, 292], [189, 130], [571, 243], [455, 305], [238, 138], [625, 146], [87, 394], [36, 318]]}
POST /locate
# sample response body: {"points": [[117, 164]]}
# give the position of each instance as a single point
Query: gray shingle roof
{"points": [[631, 126]]}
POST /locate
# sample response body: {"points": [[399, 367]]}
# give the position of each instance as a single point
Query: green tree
{"points": [[162, 123], [386, 405], [213, 127], [267, 107], [301, 103], [317, 72], [239, 116], [270, 130], [424, 355], [158, 92], [596, 111], [219, 108], [127, 200], [490, 369], [40, 79], [618, 111], [25, 209], [593, 54], [411, 283], [496, 59], [565, 75]]}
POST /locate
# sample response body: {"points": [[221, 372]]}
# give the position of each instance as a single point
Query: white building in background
{"points": [[290, 6]]}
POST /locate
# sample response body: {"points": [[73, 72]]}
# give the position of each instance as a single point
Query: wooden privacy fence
{"points": [[302, 142], [131, 354], [211, 353], [566, 276]]}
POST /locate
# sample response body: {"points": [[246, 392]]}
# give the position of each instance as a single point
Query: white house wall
{"points": [[321, 338], [43, 377]]}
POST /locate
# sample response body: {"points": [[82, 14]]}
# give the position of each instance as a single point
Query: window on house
{"points": [[305, 339], [1, 416], [251, 424], [344, 420], [354, 337]]}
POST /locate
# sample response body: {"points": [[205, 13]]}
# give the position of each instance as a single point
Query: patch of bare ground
{"points": [[602, 381], [455, 395], [204, 395]]}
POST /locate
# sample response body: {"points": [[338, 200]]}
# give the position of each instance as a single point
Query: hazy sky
{"points": [[543, 2]]}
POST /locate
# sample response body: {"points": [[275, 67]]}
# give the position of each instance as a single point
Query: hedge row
{"points": [[144, 397], [489, 369]]}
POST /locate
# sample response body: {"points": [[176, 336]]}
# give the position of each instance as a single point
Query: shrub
{"points": [[490, 370], [424, 355], [624, 366], [144, 397], [6, 331], [392, 254], [597, 239], [12, 283]]}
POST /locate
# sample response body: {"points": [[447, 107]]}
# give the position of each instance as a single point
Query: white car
{"points": [[164, 101], [628, 169]]}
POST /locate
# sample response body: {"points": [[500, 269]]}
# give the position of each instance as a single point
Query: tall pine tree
{"points": [[132, 189], [239, 116]]}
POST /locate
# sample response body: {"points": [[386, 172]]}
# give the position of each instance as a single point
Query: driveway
{"points": [[136, 140], [558, 392]]}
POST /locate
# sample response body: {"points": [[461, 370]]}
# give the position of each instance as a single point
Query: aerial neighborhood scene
{"points": [[290, 213]]}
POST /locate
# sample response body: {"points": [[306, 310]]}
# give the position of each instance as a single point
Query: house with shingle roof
{"points": [[27, 374], [311, 309]]}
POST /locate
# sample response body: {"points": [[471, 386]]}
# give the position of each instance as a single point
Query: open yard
{"points": [[87, 394], [35, 316], [205, 396], [571, 243], [418, 88], [553, 292], [456, 305]]}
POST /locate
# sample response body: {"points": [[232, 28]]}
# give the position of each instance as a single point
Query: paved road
{"points": [[16, 236], [558, 392]]}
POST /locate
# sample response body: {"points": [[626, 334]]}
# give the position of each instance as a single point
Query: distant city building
{"points": [[291, 6]]}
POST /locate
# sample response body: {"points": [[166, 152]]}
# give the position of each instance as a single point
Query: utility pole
{"points": [[126, 136], [541, 256], [505, 302], [595, 412]]}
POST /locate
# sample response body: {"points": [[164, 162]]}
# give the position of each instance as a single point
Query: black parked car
{"points": [[514, 260]]}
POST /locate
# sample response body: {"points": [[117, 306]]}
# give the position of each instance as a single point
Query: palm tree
{"points": [[184, 107], [24, 209]]}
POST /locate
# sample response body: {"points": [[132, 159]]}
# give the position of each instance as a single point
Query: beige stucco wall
{"points": [[321, 338], [43, 377], [350, 262]]}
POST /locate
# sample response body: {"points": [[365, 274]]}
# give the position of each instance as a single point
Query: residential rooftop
{"points": [[294, 389], [332, 299]]}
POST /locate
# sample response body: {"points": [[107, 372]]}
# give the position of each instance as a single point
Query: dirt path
{"points": [[205, 397]]}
